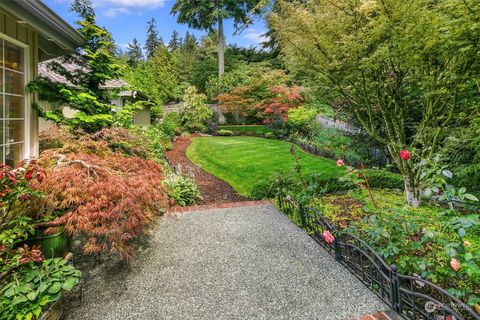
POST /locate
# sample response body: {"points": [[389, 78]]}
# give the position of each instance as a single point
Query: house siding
{"points": [[26, 35]]}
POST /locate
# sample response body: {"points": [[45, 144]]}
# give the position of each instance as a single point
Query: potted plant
{"points": [[23, 219]]}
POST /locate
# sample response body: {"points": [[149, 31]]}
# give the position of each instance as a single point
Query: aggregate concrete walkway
{"points": [[234, 263]]}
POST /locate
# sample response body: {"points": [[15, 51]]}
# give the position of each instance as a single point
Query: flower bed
{"points": [[411, 241]]}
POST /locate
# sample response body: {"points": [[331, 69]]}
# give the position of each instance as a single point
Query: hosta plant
{"points": [[31, 283], [183, 189]]}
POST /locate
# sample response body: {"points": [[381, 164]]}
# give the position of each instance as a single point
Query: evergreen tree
{"points": [[94, 65], [191, 42], [153, 41], [83, 8], [134, 53], [175, 42], [204, 15]]}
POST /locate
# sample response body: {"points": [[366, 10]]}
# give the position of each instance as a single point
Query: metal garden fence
{"points": [[411, 297]]}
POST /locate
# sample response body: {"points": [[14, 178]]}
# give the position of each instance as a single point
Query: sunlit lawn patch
{"points": [[243, 161]]}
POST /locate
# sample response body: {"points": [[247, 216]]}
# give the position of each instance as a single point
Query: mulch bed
{"points": [[213, 189]]}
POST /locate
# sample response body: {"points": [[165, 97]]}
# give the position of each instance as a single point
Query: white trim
{"points": [[27, 112]]}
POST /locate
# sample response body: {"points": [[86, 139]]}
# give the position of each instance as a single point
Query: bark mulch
{"points": [[214, 190]]}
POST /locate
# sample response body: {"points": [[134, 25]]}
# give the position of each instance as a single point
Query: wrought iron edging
{"points": [[411, 297]]}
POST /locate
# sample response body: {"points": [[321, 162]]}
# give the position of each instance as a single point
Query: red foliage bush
{"points": [[105, 195], [284, 98]]}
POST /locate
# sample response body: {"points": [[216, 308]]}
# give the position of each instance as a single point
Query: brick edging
{"points": [[218, 206], [387, 315]]}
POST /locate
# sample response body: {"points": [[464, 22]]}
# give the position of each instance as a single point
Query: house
{"points": [[123, 95], [30, 32]]}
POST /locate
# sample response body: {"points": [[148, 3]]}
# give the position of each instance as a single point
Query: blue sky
{"points": [[126, 19]]}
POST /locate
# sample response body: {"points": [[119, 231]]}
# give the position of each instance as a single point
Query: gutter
{"points": [[46, 21]]}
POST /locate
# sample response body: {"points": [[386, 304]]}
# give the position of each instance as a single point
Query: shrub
{"points": [[381, 179], [269, 135], [160, 140], [128, 142], [225, 132], [54, 137], [302, 121], [248, 129], [183, 189], [106, 196], [19, 201], [197, 112], [171, 124]]}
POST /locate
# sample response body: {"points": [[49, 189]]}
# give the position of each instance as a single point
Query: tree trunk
{"points": [[412, 194], [221, 48]]}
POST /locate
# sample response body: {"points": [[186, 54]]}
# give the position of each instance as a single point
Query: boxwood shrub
{"points": [[382, 179], [225, 133]]}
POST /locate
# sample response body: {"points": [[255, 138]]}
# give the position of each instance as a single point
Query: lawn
{"points": [[243, 161]]}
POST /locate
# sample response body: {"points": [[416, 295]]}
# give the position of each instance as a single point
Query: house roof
{"points": [[56, 36], [46, 72]]}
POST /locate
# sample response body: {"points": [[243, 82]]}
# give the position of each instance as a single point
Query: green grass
{"points": [[243, 161], [253, 129]]}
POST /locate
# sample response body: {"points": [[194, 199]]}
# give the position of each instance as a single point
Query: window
{"points": [[12, 103]]}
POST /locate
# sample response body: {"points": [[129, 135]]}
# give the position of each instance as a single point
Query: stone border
{"points": [[218, 206]]}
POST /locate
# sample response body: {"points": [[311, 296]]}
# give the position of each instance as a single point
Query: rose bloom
{"points": [[467, 243], [405, 154], [340, 162], [455, 264], [328, 237]]}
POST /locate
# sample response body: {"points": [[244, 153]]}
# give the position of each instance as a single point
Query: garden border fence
{"points": [[378, 157], [410, 296]]}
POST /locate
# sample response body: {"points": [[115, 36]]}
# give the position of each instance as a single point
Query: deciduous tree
{"points": [[404, 69]]}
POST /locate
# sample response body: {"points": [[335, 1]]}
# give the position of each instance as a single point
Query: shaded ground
{"points": [[238, 263], [213, 189]]}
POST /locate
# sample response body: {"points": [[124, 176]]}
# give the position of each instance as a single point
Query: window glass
{"points": [[13, 82], [1, 52], [14, 107], [13, 154], [12, 103], [14, 131], [13, 56]]}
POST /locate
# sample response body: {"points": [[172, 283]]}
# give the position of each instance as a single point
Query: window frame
{"points": [[27, 113]]}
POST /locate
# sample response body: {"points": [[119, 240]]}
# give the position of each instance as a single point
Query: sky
{"points": [[127, 19]]}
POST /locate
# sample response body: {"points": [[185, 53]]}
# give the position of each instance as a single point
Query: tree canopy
{"points": [[403, 69]]}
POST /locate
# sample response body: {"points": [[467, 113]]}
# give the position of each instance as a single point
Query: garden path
{"points": [[246, 262]]}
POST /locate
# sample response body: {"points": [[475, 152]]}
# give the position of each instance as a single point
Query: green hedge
{"points": [[289, 183], [225, 133], [382, 179], [248, 129]]}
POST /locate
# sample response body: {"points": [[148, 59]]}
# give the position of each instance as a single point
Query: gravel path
{"points": [[238, 263]]}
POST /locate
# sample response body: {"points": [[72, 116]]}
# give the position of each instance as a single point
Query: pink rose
{"points": [[405, 154], [327, 236], [340, 162], [455, 264]]}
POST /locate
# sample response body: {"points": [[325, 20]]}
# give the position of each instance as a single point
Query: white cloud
{"points": [[113, 12], [255, 36], [140, 4], [114, 8]]}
